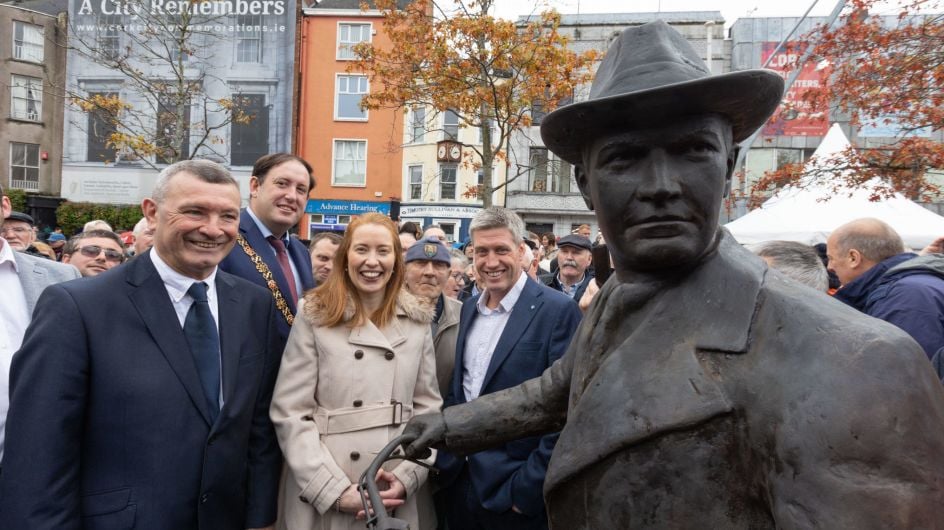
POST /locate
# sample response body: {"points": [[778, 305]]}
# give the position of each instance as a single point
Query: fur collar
{"points": [[408, 306]]}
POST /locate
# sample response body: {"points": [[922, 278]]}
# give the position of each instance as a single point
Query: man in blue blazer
{"points": [[278, 193], [140, 396], [508, 334]]}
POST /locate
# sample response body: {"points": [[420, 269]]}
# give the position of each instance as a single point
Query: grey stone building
{"points": [[237, 53], [545, 194], [32, 72]]}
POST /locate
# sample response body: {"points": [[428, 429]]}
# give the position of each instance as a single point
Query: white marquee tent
{"points": [[802, 215]]}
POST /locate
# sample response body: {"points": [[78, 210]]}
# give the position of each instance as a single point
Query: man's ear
{"points": [[5, 208], [855, 258], [582, 183], [253, 185], [732, 160], [149, 209]]}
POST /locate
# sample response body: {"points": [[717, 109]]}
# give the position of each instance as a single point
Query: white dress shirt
{"points": [[483, 337], [14, 318], [286, 240], [177, 285]]}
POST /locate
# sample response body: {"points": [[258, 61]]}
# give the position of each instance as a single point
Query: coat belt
{"points": [[357, 419]]}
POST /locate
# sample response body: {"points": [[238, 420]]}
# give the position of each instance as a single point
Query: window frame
{"points": [[25, 166], [447, 126], [334, 162], [443, 183], [410, 183], [417, 124], [348, 44], [337, 95], [24, 43], [249, 36], [37, 101]]}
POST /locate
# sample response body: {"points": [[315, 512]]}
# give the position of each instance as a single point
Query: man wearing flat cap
{"points": [[17, 229], [702, 390], [573, 267], [428, 265]]}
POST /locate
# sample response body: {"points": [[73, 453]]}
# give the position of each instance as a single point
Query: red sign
{"points": [[795, 117]]}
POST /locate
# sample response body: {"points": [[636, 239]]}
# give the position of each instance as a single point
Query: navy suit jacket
{"points": [[238, 263], [538, 333], [108, 426]]}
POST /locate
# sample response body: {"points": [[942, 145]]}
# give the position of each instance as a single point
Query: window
{"points": [[100, 127], [538, 164], [449, 229], [418, 124], [348, 36], [167, 116], [447, 182], [351, 90], [249, 38], [549, 174], [27, 98], [249, 138], [492, 129], [450, 125], [24, 166], [416, 183], [350, 163], [27, 42], [109, 38]]}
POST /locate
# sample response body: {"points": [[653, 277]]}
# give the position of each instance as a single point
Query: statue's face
{"points": [[657, 191]]}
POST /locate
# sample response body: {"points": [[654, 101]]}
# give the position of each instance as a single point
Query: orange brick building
{"points": [[356, 155]]}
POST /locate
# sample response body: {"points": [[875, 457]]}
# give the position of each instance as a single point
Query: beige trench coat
{"points": [[332, 410]]}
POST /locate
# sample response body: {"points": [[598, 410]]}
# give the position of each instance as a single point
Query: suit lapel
{"points": [[32, 279], [150, 298], [230, 320], [528, 305], [302, 260], [262, 247]]}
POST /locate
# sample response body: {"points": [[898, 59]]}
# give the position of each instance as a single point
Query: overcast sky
{"points": [[730, 9]]}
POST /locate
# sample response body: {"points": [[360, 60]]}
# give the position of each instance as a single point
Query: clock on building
{"points": [[441, 152], [455, 153]]}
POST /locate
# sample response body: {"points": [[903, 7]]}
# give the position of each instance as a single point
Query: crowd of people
{"points": [[224, 375]]}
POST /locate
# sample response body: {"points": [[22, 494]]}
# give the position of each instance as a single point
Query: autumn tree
{"points": [[488, 71], [886, 73], [168, 105]]}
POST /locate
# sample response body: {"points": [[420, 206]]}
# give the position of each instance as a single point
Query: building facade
{"points": [[797, 130], [355, 153], [231, 58], [546, 193], [32, 74]]}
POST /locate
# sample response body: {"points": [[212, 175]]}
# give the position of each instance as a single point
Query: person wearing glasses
{"points": [[94, 252]]}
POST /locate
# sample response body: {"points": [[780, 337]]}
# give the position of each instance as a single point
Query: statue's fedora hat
{"points": [[651, 72]]}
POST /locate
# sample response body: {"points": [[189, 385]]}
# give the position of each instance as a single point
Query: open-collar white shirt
{"points": [[483, 337]]}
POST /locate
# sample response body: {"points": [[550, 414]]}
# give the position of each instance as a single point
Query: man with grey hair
{"points": [[882, 280], [143, 236], [508, 334], [796, 261], [140, 398]]}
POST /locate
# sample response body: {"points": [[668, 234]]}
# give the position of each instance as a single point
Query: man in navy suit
{"points": [[278, 193], [140, 396], [508, 334]]}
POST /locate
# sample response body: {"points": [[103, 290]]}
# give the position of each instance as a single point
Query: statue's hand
{"points": [[421, 433]]}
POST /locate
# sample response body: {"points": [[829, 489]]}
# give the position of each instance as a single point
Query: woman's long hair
{"points": [[333, 296]]}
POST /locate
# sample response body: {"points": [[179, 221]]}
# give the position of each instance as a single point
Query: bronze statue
{"points": [[703, 390]]}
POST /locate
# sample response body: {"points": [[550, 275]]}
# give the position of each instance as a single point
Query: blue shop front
{"points": [[453, 218], [331, 215]]}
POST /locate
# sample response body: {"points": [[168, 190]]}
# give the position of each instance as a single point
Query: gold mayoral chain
{"points": [[263, 269]]}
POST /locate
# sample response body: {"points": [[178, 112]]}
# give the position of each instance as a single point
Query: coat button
{"points": [[389, 356], [358, 354], [358, 403], [355, 455], [205, 497]]}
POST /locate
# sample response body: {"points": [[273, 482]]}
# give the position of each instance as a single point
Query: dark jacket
{"points": [[551, 281], [110, 429], [906, 291], [538, 333]]}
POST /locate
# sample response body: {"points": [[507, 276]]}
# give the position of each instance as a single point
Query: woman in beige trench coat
{"points": [[359, 363]]}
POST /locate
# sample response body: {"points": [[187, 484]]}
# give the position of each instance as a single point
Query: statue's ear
{"points": [[581, 177], [732, 160]]}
